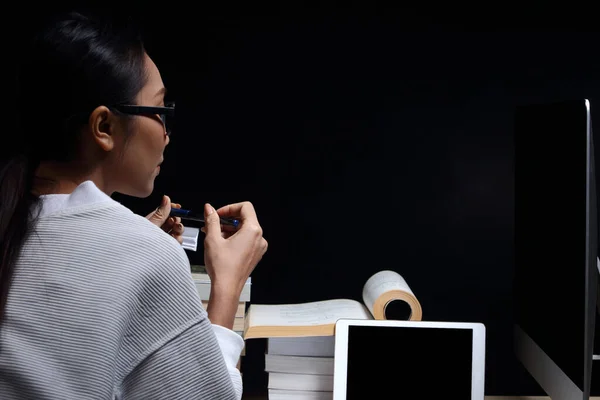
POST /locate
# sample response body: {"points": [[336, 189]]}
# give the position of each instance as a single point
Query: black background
{"points": [[367, 139]]}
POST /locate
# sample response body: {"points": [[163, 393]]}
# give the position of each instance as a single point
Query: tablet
{"points": [[408, 359]]}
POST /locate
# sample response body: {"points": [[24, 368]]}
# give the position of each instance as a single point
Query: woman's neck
{"points": [[55, 178]]}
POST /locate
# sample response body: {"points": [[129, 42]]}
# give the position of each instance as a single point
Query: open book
{"points": [[318, 318]]}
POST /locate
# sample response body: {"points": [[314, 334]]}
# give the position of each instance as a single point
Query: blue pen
{"points": [[189, 215]]}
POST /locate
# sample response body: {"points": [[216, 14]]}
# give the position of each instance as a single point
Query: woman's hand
{"points": [[160, 217], [230, 257]]}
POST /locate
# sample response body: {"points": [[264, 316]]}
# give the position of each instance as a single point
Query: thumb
{"points": [[212, 222], [161, 214]]}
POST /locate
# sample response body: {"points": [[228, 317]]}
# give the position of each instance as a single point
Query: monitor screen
{"points": [[550, 231], [431, 363]]}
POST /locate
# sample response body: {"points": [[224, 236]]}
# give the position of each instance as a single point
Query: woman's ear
{"points": [[102, 123]]}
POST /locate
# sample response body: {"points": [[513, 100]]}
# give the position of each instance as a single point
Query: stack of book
{"points": [[202, 281], [299, 359], [300, 367]]}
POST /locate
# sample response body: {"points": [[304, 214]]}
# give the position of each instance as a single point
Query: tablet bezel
{"points": [[341, 350]]}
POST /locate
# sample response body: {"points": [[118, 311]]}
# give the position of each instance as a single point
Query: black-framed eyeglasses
{"points": [[166, 113]]}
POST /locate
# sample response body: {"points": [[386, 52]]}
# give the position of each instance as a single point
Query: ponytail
{"points": [[16, 203]]}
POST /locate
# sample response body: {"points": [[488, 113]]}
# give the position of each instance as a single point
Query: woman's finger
{"points": [[228, 228], [224, 234], [169, 224], [178, 229], [244, 210], [179, 238]]}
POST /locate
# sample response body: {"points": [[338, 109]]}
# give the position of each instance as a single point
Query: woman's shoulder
{"points": [[114, 255], [141, 237], [114, 234], [155, 267]]}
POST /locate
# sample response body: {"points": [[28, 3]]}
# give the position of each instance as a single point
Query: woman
{"points": [[95, 301]]}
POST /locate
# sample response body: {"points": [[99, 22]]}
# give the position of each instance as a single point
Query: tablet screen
{"points": [[427, 363]]}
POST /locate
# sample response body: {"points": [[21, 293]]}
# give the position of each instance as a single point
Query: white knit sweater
{"points": [[103, 306]]}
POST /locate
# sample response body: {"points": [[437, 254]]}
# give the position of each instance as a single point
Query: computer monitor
{"points": [[556, 270]]}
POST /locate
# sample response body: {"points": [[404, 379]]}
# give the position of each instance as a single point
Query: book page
{"points": [[307, 314], [386, 286]]}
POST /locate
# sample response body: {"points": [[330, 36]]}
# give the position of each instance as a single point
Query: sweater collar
{"points": [[86, 193]]}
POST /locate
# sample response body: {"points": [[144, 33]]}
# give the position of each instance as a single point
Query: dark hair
{"points": [[72, 66]]}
